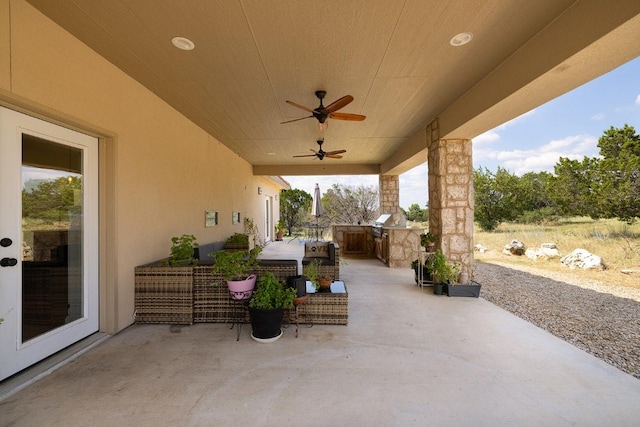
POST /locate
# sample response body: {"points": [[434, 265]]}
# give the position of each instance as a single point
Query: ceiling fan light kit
{"points": [[322, 113], [321, 154]]}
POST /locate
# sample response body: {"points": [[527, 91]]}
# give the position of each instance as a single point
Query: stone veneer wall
{"points": [[389, 194], [404, 244], [451, 196]]}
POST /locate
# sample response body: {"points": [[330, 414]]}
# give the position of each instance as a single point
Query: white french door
{"points": [[268, 224], [48, 239]]}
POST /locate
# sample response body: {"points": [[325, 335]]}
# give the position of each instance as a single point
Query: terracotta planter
{"points": [[325, 283]]}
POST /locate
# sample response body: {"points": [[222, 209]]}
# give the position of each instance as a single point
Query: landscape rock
{"points": [[516, 247], [583, 259], [479, 248], [546, 251]]}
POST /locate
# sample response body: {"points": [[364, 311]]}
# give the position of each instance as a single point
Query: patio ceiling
{"points": [[395, 59]]}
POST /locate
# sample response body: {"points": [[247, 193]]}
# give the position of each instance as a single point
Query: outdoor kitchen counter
{"points": [[402, 245], [395, 247]]}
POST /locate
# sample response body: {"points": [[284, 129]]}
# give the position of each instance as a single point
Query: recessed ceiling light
{"points": [[271, 154], [183, 43], [461, 39]]}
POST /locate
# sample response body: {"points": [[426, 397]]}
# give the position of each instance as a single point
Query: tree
{"points": [[604, 187], [619, 173], [416, 214], [495, 197], [294, 205], [53, 200], [350, 205], [573, 189]]}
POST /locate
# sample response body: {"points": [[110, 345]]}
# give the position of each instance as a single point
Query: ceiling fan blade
{"points": [[309, 155], [333, 153], [302, 107], [332, 156], [347, 116], [295, 120], [336, 105]]}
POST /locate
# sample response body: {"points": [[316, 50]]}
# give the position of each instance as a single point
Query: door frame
{"points": [[110, 321], [102, 166]]}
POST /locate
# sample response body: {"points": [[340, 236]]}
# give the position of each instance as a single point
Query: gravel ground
{"points": [[602, 319]]}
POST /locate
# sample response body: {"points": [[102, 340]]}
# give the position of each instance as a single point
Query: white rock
{"points": [[534, 254], [480, 248], [516, 247], [546, 251], [583, 259]]}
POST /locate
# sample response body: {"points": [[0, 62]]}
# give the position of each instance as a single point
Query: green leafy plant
{"points": [[312, 272], [427, 239], [280, 227], [238, 239], [235, 265], [442, 270], [271, 293], [182, 250]]}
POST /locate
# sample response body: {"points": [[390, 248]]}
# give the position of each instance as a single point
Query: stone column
{"points": [[389, 186], [451, 198]]}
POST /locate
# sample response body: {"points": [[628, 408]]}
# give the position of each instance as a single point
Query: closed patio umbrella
{"points": [[316, 207]]}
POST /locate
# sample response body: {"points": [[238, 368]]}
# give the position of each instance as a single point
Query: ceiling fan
{"points": [[322, 113], [321, 154]]}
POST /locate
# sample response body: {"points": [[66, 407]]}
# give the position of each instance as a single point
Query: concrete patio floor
{"points": [[407, 357]]}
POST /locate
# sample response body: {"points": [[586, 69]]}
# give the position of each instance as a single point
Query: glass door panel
{"points": [[52, 212]]}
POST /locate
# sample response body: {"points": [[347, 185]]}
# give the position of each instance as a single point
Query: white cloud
{"points": [[482, 145], [598, 116], [413, 187], [545, 157], [487, 138], [638, 100]]}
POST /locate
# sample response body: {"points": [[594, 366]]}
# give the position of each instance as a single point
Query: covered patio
{"points": [[407, 357]]}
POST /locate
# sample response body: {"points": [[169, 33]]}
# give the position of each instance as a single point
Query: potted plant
{"points": [[311, 272], [237, 267], [443, 272], [237, 242], [182, 251], [280, 227], [324, 283], [266, 307], [465, 286], [428, 241]]}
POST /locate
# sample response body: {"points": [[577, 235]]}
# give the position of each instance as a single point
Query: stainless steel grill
{"points": [[387, 220]]}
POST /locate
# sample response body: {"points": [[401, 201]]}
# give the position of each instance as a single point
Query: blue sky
{"points": [[568, 126]]}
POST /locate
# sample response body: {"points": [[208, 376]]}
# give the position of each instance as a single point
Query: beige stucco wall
{"points": [[159, 173]]}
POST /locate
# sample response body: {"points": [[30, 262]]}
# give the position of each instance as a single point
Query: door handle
{"points": [[8, 262]]}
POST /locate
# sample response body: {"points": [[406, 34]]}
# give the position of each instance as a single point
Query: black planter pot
{"points": [[299, 283], [266, 324], [439, 288], [469, 290]]}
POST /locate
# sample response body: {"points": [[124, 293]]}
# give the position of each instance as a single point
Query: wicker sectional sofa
{"points": [[187, 295]]}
